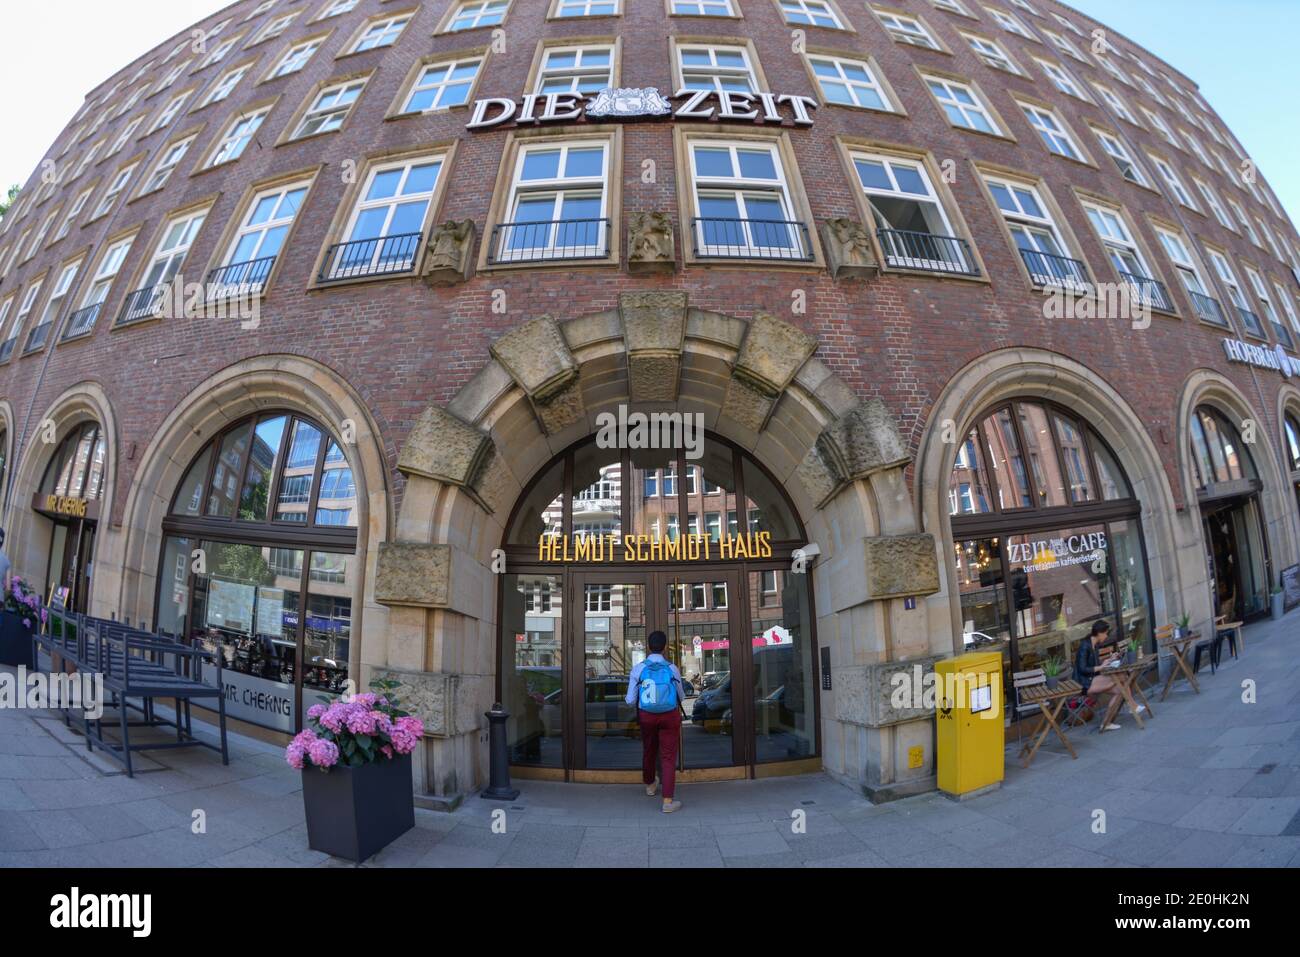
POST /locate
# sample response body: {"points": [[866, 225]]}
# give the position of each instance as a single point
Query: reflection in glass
{"points": [[189, 495], [337, 502], [653, 491], [1041, 453], [982, 587], [1075, 456], [784, 671], [767, 505], [1129, 570], [174, 585], [699, 644], [968, 487], [299, 473], [597, 497], [328, 630], [531, 625], [1005, 458], [225, 479], [614, 628], [253, 500]]}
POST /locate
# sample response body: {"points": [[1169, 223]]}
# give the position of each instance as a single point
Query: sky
{"points": [[1241, 53]]}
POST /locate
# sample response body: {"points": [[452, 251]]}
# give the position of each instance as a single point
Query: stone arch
{"points": [[1207, 387], [1288, 403], [6, 455], [29, 537], [239, 390], [757, 383], [1175, 563]]}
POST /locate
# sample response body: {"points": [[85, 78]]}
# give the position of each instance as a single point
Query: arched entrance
{"points": [[1291, 451], [69, 497], [608, 545]]}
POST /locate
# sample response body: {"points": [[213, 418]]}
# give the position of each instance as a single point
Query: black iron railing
{"points": [[1151, 292], [779, 239], [7, 349], [82, 321], [1208, 308], [238, 279], [558, 239], [382, 256], [141, 304], [1049, 269], [37, 338], [1251, 322], [930, 252]]}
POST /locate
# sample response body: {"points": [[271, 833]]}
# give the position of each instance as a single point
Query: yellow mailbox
{"points": [[969, 719]]}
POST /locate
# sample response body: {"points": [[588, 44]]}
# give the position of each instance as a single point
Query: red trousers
{"points": [[660, 734]]}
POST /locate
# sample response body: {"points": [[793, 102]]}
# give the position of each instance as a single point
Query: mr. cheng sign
{"points": [[641, 103], [612, 548]]}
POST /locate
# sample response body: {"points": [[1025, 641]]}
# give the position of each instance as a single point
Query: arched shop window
{"points": [[1227, 490], [259, 562], [607, 545], [1291, 428], [69, 495], [77, 468], [4, 461], [1047, 537]]}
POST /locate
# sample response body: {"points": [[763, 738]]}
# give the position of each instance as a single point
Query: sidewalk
{"points": [[1212, 781]]}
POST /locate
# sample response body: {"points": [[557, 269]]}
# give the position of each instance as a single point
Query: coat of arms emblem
{"points": [[626, 102]]}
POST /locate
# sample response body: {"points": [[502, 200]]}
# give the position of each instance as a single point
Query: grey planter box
{"points": [[354, 813], [15, 641]]}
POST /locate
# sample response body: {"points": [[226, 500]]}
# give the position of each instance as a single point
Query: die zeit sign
{"points": [[62, 505], [651, 548], [618, 104]]}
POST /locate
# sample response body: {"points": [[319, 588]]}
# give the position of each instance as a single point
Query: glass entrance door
{"points": [[607, 640]]}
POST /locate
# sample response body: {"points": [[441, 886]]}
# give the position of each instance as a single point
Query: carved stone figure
{"points": [[848, 249], [623, 102], [449, 258], [650, 243]]}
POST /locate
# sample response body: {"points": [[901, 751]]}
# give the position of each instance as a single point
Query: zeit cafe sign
{"points": [[640, 103]]}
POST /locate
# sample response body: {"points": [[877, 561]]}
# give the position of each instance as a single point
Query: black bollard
{"points": [[498, 788]]}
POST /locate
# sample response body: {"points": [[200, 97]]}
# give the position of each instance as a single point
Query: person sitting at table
{"points": [[1087, 663]]}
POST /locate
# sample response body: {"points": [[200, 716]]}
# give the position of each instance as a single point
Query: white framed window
{"points": [[587, 8], [173, 54], [1150, 89], [87, 158], [73, 212], [742, 203], [114, 190], [260, 9], [338, 8], [170, 111], [962, 105], [173, 246], [40, 333], [123, 137], [1065, 45], [1270, 313], [20, 320], [1068, 24], [1272, 240], [1196, 147], [219, 52], [703, 8], [258, 241], [236, 138], [381, 33], [39, 236], [579, 69], [1052, 130], [386, 225], [295, 58], [478, 13], [813, 13], [443, 85], [1160, 126], [329, 109], [1171, 179], [558, 203], [952, 6], [1288, 306], [1118, 152], [226, 84], [1036, 235], [101, 284], [1189, 274], [10, 334], [170, 77], [1118, 241], [273, 28], [910, 221], [991, 52], [1229, 279], [905, 29], [1011, 23], [1247, 226], [1113, 70], [1117, 105], [1063, 80], [1212, 200], [849, 83], [716, 68], [167, 163]]}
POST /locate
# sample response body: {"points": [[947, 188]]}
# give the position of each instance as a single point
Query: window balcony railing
{"points": [[239, 279], [1208, 309], [930, 252], [381, 256], [1049, 269], [784, 240], [1251, 322], [547, 241], [142, 304], [1151, 292], [37, 338], [82, 321], [1283, 335], [7, 349]]}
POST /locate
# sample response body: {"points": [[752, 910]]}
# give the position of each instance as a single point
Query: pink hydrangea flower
{"points": [[315, 711], [323, 753], [360, 720], [406, 734], [333, 716], [387, 751], [296, 755]]}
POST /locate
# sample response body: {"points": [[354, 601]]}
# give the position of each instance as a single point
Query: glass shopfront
{"points": [[69, 495], [606, 547], [1291, 454], [259, 565], [1047, 538]]}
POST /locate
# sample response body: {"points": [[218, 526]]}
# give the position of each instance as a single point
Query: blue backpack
{"points": [[658, 693]]}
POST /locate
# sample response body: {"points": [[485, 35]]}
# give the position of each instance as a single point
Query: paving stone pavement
{"points": [[1213, 781]]}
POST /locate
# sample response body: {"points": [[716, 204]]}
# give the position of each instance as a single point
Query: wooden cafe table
{"points": [[1180, 648], [1126, 687], [1050, 702]]}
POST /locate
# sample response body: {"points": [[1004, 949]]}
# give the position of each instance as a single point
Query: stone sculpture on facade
{"points": [[448, 260]]}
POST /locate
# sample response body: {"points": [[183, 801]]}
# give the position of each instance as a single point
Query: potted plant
{"points": [[1183, 625], [22, 611], [1277, 602], [355, 758], [1052, 669], [1132, 647]]}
